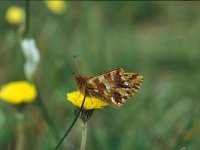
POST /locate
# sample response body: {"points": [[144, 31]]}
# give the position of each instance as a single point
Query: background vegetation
{"points": [[159, 40]]}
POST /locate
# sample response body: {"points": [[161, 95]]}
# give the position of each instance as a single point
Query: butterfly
{"points": [[113, 87]]}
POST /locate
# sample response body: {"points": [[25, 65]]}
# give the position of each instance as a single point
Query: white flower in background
{"points": [[32, 57]]}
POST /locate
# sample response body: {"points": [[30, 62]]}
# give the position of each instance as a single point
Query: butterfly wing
{"points": [[114, 86]]}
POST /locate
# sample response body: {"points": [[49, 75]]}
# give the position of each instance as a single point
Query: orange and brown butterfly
{"points": [[113, 87]]}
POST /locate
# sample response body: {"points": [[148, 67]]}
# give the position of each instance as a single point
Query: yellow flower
{"points": [[15, 15], [18, 92], [57, 6], [90, 102]]}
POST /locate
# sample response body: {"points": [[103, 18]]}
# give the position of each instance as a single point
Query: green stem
{"points": [[47, 117], [84, 135], [20, 139], [27, 19], [70, 127]]}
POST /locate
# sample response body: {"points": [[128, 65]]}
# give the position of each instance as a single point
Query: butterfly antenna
{"points": [[77, 66]]}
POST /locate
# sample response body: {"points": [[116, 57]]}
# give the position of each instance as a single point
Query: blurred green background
{"points": [[159, 40]]}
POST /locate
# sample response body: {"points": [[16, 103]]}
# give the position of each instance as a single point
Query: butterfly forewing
{"points": [[114, 86]]}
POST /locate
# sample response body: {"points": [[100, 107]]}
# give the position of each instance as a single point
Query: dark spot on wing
{"points": [[117, 97]]}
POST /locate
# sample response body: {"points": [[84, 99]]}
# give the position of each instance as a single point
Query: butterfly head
{"points": [[80, 81]]}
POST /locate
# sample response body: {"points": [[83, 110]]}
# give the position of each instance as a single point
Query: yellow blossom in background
{"points": [[18, 92], [58, 6], [90, 102], [15, 15]]}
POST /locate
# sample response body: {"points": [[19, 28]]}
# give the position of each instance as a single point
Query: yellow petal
{"points": [[58, 6], [18, 92], [90, 102], [15, 15]]}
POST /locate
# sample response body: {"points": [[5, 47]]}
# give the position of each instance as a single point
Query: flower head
{"points": [[15, 15], [90, 102], [57, 7], [18, 92]]}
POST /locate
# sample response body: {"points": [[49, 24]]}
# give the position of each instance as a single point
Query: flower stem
{"points": [[84, 135], [47, 117], [74, 121], [27, 17], [20, 139]]}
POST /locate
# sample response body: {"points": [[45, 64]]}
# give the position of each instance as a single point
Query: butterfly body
{"points": [[113, 87]]}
